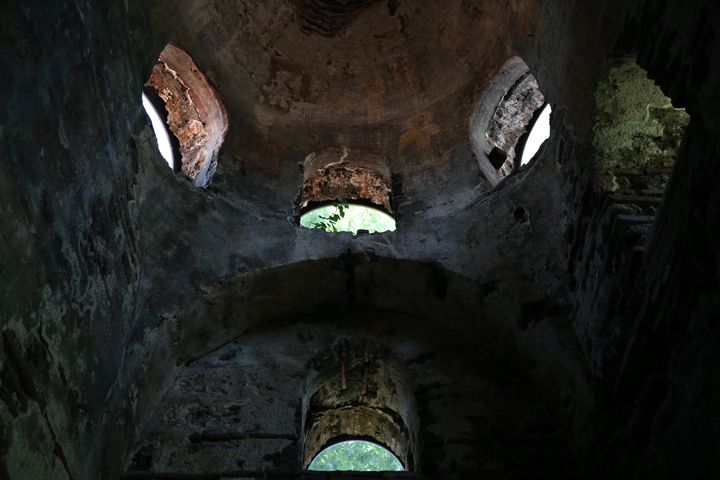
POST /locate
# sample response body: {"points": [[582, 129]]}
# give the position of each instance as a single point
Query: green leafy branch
{"points": [[329, 223]]}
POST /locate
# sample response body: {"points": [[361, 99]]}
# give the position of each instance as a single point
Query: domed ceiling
{"points": [[357, 61], [307, 67]]}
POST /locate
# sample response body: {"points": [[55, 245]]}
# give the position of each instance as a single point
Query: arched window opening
{"points": [[347, 190], [510, 122], [357, 456], [359, 412], [340, 216], [195, 119]]}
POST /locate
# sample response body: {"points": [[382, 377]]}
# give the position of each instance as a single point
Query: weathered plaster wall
{"points": [[69, 248], [246, 222], [195, 115], [513, 118], [479, 412], [104, 248], [113, 266]]}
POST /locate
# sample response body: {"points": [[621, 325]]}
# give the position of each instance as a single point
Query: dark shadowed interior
{"points": [[550, 318]]}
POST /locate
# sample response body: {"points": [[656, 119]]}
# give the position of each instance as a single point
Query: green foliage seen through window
{"points": [[357, 456], [330, 223], [342, 216]]}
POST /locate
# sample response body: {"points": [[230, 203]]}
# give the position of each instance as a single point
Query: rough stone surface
{"points": [[329, 17], [636, 139], [512, 119], [195, 114], [351, 173], [637, 133], [271, 380], [124, 286], [182, 116], [359, 390]]}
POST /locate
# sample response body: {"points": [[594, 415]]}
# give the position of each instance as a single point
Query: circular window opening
{"points": [[162, 134], [356, 456], [539, 133], [347, 190]]}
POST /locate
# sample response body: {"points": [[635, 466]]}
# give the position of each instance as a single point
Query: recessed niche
{"points": [[510, 123], [187, 115], [347, 190]]}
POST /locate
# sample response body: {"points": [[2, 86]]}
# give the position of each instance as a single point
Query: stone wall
{"points": [[478, 410], [636, 139], [105, 251], [69, 248], [656, 286], [118, 274], [114, 264]]}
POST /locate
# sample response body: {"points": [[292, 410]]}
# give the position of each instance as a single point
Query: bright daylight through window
{"points": [[348, 217], [539, 133], [357, 456], [161, 132]]}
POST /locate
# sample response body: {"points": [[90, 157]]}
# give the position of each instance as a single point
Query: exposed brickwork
{"points": [[329, 17], [512, 119], [195, 115], [182, 117], [360, 393], [123, 288], [352, 173]]}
